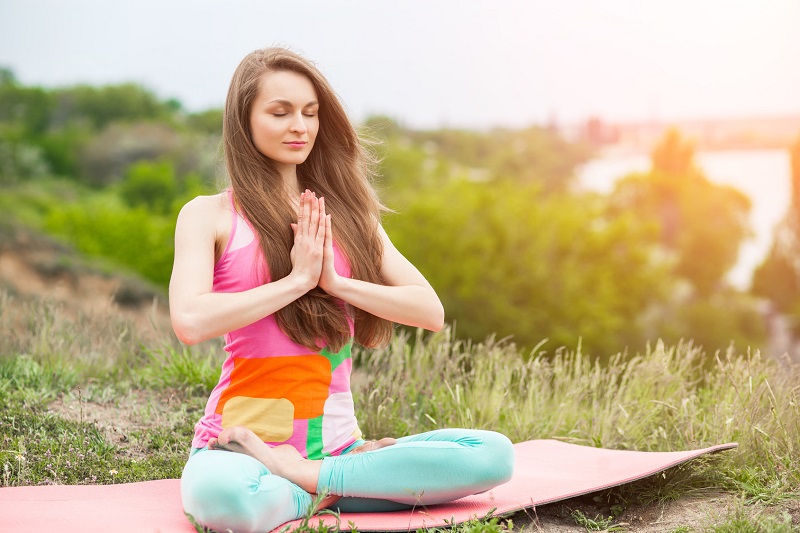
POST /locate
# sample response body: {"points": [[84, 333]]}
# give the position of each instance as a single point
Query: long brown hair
{"points": [[337, 168]]}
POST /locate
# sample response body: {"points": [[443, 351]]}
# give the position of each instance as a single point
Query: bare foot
{"points": [[374, 445], [283, 460]]}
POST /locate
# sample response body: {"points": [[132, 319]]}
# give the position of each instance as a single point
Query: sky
{"points": [[435, 63]]}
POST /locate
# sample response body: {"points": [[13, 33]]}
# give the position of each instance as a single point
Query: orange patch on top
{"points": [[304, 380]]}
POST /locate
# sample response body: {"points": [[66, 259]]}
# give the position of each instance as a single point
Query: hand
{"points": [[309, 240], [328, 277], [373, 445]]}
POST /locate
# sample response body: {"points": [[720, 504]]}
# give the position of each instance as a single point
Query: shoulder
{"points": [[208, 208], [205, 213], [207, 204]]}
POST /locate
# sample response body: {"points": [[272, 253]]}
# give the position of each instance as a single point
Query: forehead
{"points": [[286, 85]]}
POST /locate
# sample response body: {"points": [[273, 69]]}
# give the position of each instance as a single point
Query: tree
{"points": [[509, 259], [150, 184], [108, 154], [778, 277], [101, 106], [701, 224]]}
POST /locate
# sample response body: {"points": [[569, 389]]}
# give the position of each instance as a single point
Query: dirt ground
{"points": [[697, 513], [33, 265], [124, 418]]}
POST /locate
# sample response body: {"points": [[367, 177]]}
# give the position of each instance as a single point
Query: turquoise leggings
{"points": [[226, 490]]}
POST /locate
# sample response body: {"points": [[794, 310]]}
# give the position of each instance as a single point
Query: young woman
{"points": [[291, 265]]}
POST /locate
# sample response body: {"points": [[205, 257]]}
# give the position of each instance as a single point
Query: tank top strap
{"points": [[234, 224]]}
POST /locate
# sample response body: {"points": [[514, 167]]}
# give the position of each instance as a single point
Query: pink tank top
{"points": [[282, 391]]}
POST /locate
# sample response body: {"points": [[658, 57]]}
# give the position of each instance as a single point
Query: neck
{"points": [[290, 182]]}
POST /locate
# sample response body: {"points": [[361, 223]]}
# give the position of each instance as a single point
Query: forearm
{"points": [[411, 305], [204, 316]]}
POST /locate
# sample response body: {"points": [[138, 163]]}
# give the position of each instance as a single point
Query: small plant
{"points": [[486, 524], [314, 509], [745, 519], [598, 523]]}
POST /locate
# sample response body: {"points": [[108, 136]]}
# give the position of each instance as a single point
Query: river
{"points": [[763, 175]]}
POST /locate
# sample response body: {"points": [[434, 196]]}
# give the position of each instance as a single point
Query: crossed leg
{"points": [[257, 487]]}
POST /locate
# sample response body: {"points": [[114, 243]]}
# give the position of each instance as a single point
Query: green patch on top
{"points": [[337, 358]]}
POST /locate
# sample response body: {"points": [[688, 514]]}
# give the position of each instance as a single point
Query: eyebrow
{"points": [[289, 104]]}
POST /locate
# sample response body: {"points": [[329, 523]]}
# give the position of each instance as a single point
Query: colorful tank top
{"points": [[282, 391]]}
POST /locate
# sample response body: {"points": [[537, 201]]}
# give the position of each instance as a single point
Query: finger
{"points": [[313, 222], [304, 224], [329, 233], [294, 228], [300, 210], [323, 220], [300, 205]]}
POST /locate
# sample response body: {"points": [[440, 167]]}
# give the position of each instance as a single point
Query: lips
{"points": [[295, 144]]}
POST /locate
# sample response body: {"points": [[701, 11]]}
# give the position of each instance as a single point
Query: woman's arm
{"points": [[198, 313], [407, 298]]}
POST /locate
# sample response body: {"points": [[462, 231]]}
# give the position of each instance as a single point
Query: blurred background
{"points": [[602, 174]]}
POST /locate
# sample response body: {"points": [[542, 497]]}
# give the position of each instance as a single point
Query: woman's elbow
{"points": [[185, 329], [437, 319]]}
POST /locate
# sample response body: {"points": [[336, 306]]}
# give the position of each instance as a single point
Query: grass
{"points": [[60, 369], [744, 519], [663, 399], [598, 523]]}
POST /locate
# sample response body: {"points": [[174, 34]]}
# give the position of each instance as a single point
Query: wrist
{"points": [[335, 286], [301, 282]]}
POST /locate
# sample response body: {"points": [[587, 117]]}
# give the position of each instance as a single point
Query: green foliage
{"points": [[25, 110], [109, 154], [44, 381], [208, 122], [598, 523], [526, 156], [57, 350], [40, 447], [20, 161], [724, 318], [101, 106], [659, 400], [133, 237], [778, 277], [522, 263], [758, 485], [742, 519], [92, 134], [701, 224], [485, 524], [151, 185], [63, 149], [182, 368]]}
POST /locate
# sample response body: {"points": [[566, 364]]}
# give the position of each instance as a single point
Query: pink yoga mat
{"points": [[546, 471]]}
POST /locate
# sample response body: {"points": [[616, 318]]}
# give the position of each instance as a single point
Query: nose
{"points": [[298, 124]]}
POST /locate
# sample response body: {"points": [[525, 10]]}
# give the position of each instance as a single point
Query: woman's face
{"points": [[284, 119]]}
